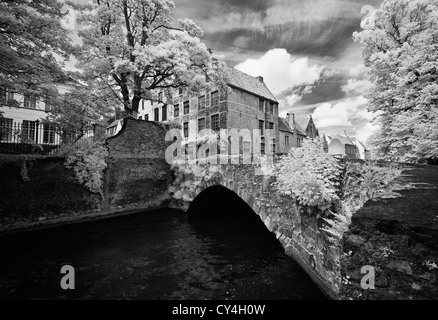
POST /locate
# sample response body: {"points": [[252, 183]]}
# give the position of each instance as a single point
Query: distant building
{"points": [[308, 125], [344, 146], [30, 108], [291, 133], [114, 127], [249, 104], [363, 151], [19, 123]]}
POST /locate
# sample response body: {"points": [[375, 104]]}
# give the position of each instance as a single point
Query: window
{"points": [[160, 96], [214, 98], [261, 105], [262, 148], [176, 110], [186, 107], [146, 117], [215, 122], [271, 125], [299, 142], [201, 102], [6, 95], [27, 131], [142, 104], [180, 91], [49, 134], [186, 129], [286, 141], [5, 129], [271, 108], [156, 114], [201, 124], [29, 102], [48, 104], [261, 125], [164, 113]]}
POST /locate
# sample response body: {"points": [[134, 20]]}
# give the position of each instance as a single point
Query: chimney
{"points": [[260, 78], [291, 120]]}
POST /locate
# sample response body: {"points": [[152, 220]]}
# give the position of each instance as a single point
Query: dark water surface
{"points": [[153, 255]]}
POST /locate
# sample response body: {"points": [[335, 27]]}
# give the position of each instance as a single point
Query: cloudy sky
{"points": [[302, 48]]}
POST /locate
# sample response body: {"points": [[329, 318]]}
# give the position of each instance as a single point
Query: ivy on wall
{"points": [[21, 160]]}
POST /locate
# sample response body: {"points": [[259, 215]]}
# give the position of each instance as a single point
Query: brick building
{"points": [[248, 104], [291, 135], [308, 125]]}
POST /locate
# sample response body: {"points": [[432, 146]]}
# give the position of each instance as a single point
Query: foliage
{"points": [[360, 183], [31, 35], [337, 189], [310, 175], [135, 47], [190, 176], [82, 107], [400, 47], [21, 160], [88, 162]]}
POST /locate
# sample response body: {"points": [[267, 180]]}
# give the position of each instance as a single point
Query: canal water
{"points": [[163, 254]]}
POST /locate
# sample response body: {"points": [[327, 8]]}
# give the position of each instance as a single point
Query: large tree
{"points": [[83, 107], [400, 47], [31, 35], [134, 46]]}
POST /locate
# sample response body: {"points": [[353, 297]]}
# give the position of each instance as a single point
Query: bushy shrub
{"points": [[310, 175], [360, 183], [88, 162], [189, 176], [336, 188]]}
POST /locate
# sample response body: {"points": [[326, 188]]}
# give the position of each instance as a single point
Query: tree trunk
{"points": [[135, 103]]}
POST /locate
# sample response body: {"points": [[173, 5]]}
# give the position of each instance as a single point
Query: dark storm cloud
{"points": [[324, 38], [302, 27], [327, 90]]}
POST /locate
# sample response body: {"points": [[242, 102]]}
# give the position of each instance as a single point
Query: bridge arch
{"points": [[226, 182], [298, 232]]}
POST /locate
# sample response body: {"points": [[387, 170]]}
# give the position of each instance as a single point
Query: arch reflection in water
{"points": [[259, 268]]}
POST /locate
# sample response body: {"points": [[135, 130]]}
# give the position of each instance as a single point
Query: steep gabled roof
{"points": [[343, 139], [248, 83], [300, 130], [283, 125], [303, 122], [359, 142]]}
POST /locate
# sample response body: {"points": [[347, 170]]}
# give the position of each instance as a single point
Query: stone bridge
{"points": [[139, 177], [298, 232]]}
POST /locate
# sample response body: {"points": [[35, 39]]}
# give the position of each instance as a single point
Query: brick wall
{"points": [[137, 175]]}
